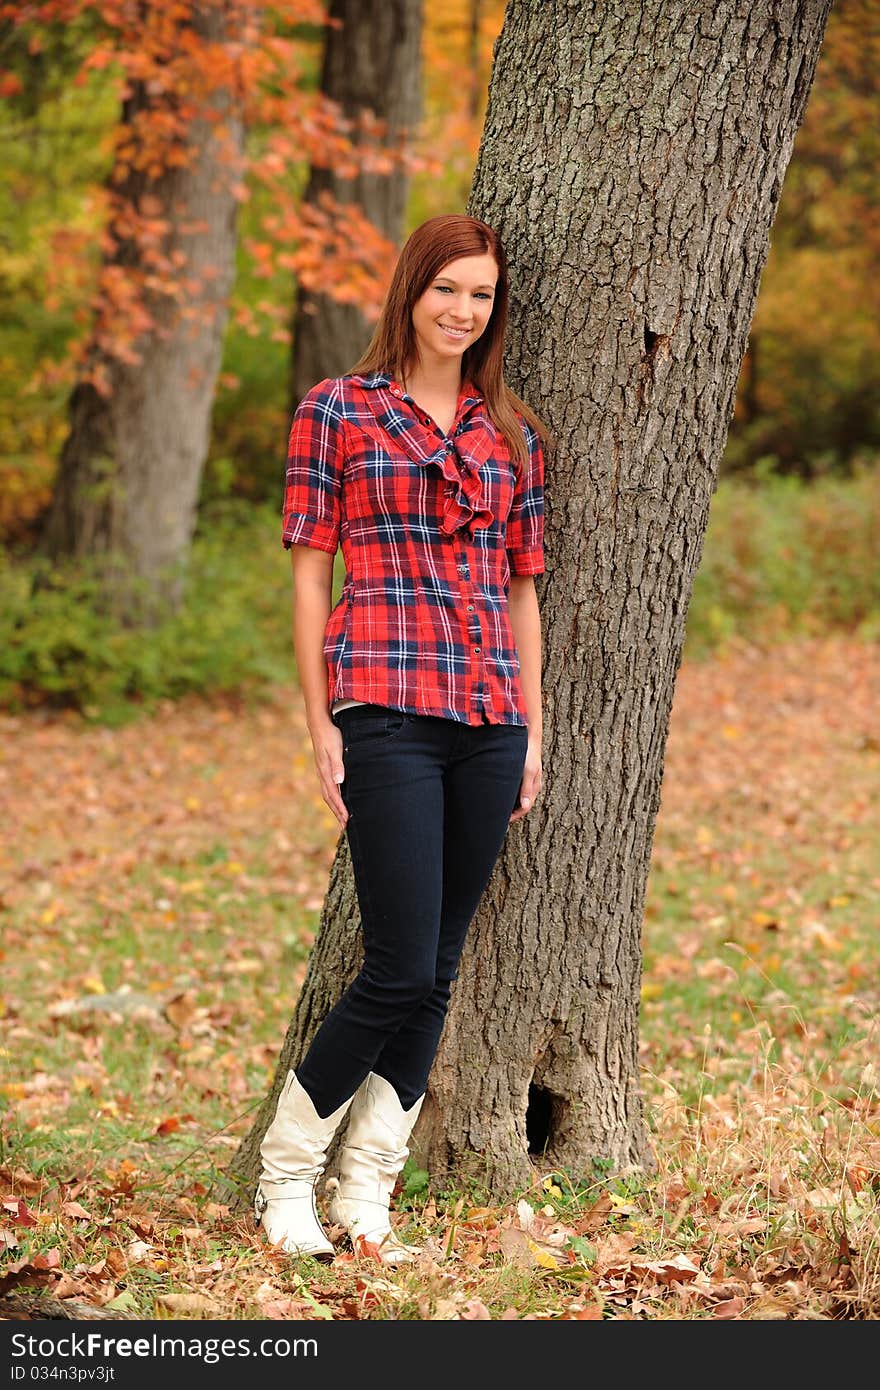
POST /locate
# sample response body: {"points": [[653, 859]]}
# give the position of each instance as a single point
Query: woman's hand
{"points": [[531, 781], [327, 745]]}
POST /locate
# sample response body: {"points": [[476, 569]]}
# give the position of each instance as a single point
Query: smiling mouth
{"points": [[454, 332]]}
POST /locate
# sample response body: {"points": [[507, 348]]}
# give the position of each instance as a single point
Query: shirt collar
{"points": [[469, 394]]}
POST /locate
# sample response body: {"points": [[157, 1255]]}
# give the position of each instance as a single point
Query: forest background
{"points": [[781, 640]]}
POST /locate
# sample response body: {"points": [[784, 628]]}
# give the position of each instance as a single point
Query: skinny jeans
{"points": [[429, 801]]}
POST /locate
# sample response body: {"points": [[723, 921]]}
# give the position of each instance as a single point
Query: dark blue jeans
{"points": [[429, 802]]}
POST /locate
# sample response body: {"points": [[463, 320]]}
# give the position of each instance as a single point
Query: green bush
{"points": [[232, 633], [783, 558]]}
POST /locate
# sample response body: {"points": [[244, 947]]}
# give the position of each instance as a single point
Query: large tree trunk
{"points": [[371, 63], [130, 469], [632, 163]]}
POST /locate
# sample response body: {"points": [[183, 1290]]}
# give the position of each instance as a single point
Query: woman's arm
{"points": [[312, 601], [525, 620]]}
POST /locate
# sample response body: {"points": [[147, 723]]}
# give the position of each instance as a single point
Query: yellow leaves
{"points": [[543, 1258], [620, 1206], [651, 989]]}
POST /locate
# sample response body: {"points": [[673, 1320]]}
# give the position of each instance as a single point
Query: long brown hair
{"points": [[393, 346]]}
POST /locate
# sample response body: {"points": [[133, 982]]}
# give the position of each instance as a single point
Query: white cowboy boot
{"points": [[375, 1151], [294, 1151]]}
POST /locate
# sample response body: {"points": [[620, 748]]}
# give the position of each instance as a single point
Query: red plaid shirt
{"points": [[431, 526]]}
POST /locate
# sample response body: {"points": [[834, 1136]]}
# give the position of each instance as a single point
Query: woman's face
{"points": [[455, 308]]}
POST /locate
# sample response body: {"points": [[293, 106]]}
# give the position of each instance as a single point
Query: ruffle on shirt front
{"points": [[463, 503]]}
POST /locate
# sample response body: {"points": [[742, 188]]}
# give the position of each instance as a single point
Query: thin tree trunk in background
{"points": [[749, 386], [130, 469], [474, 93], [372, 62], [632, 161]]}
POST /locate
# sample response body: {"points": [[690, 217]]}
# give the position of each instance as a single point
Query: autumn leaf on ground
{"points": [[18, 1210], [676, 1267]]}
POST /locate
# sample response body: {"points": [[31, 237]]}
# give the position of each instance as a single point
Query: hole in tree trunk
{"points": [[539, 1120], [650, 340]]}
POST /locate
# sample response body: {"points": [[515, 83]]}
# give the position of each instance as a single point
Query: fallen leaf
{"points": [[614, 1252], [475, 1311], [181, 1009], [482, 1217], [17, 1208], [67, 1287], [678, 1267], [187, 1305], [730, 1308], [20, 1178], [38, 1270], [514, 1245], [525, 1213], [367, 1249], [75, 1210]]}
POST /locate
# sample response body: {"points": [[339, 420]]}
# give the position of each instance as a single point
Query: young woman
{"points": [[422, 690]]}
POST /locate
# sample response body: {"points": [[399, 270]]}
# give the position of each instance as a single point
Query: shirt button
{"points": [[470, 608], [476, 649]]}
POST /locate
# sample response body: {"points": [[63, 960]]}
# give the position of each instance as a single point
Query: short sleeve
{"points": [[313, 482], [525, 525]]}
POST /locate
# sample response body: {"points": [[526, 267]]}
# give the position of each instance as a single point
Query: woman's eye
{"points": [[480, 293]]}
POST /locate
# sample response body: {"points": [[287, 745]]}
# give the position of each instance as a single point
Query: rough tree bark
{"points": [[632, 161], [130, 469], [373, 63]]}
